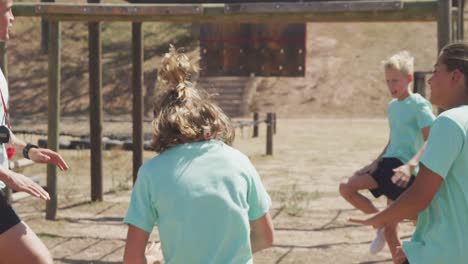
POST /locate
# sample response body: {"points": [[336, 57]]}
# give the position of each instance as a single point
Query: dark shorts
{"points": [[8, 217], [405, 262], [383, 176]]}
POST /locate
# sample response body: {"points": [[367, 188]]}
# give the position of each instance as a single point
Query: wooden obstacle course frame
{"points": [[410, 10]]}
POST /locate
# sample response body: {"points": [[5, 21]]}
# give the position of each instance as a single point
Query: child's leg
{"points": [[20, 244], [349, 191], [391, 236]]}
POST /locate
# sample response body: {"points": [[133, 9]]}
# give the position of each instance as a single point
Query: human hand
{"points": [[21, 183], [42, 155], [402, 175]]}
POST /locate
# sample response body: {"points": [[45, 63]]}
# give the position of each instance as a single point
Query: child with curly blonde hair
{"points": [[206, 197]]}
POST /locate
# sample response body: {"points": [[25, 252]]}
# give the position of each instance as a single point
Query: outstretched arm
{"points": [[21, 183], [40, 155], [410, 203]]}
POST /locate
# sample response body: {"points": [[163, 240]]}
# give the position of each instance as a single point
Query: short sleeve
{"points": [[257, 197], [424, 116], [443, 146], [141, 212]]}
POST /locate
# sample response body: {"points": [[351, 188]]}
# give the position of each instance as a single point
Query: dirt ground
{"points": [[311, 157]]}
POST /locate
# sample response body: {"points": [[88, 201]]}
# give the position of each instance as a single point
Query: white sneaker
{"points": [[378, 243]]}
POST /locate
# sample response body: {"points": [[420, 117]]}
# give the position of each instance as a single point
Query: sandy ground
{"points": [[311, 157]]}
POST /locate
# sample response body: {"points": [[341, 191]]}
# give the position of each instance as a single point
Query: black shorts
{"points": [[8, 217], [383, 176], [405, 262]]}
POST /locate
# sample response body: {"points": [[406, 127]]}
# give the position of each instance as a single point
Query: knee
{"points": [[345, 189]]}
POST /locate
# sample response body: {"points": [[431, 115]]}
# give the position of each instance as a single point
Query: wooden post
{"points": [[137, 83], [461, 19], [269, 134], [95, 112], [45, 31], [444, 23], [255, 125], [54, 114], [419, 83], [4, 67], [274, 123]]}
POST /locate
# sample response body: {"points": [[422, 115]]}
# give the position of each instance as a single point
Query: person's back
{"points": [[446, 217], [206, 198], [203, 195]]}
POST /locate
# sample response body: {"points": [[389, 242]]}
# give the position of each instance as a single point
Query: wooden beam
{"points": [[53, 113], [137, 86], [95, 108], [321, 6], [407, 10]]}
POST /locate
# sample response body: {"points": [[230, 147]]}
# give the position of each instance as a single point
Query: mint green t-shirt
{"points": [[202, 196], [406, 119], [441, 235]]}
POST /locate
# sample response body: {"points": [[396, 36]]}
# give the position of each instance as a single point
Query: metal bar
{"points": [[54, 114], [95, 111], [137, 81]]}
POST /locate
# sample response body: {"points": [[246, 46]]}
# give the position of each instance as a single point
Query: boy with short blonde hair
{"points": [[391, 173]]}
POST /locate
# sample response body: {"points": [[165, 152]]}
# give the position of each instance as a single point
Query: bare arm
{"points": [[410, 203], [261, 233], [135, 246], [21, 183], [40, 155]]}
